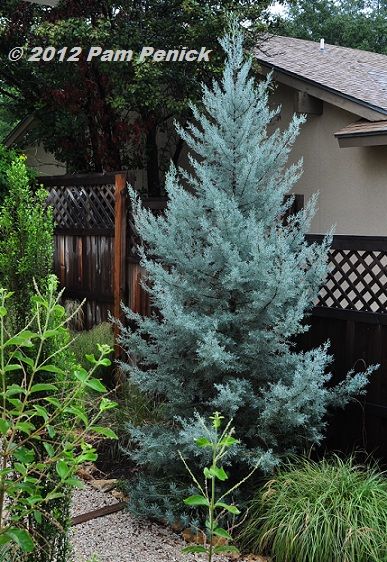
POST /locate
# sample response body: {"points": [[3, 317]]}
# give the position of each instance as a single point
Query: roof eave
{"points": [[317, 90], [361, 139], [19, 131]]}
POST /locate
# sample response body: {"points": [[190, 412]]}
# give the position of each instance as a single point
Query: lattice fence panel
{"points": [[83, 207], [357, 281]]}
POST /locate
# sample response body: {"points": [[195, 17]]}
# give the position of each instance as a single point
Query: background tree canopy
{"points": [[361, 24], [86, 110]]}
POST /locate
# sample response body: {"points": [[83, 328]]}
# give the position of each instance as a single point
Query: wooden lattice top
{"points": [[82, 205], [358, 274]]}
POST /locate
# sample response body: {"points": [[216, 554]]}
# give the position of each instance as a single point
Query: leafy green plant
{"points": [[26, 240], [219, 442], [7, 157], [36, 415], [85, 343], [327, 511]]}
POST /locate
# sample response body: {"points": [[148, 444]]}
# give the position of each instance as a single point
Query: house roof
{"points": [[19, 131], [358, 76], [363, 133], [363, 128]]}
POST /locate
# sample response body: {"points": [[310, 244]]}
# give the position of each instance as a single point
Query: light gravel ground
{"points": [[121, 538]]}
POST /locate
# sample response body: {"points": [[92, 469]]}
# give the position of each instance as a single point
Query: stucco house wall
{"points": [[43, 162], [352, 182]]}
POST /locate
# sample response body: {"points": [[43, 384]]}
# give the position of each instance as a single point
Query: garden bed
{"points": [[121, 538]]}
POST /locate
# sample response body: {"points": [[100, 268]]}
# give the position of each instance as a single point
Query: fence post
{"points": [[119, 270]]}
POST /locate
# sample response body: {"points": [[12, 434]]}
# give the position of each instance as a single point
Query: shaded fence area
{"points": [[95, 259], [95, 242], [351, 314]]}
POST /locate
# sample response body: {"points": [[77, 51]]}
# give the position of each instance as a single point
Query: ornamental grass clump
{"points": [[328, 511]]}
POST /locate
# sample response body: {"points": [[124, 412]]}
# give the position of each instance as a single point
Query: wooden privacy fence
{"points": [[351, 314], [95, 244], [95, 259], [90, 237]]}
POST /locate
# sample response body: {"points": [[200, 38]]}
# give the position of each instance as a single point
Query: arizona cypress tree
{"points": [[231, 280]]}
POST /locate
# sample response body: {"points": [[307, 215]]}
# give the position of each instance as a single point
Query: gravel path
{"points": [[121, 538]]}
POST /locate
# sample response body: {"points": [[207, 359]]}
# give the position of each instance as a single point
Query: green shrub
{"points": [[328, 511], [85, 343], [26, 240], [44, 427]]}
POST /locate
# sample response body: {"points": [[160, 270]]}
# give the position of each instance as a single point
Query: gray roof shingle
{"points": [[359, 75]]}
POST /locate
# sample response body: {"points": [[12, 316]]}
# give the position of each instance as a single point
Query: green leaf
{"points": [[42, 387], [52, 333], [51, 369], [219, 532], [75, 483], [226, 549], [38, 516], [27, 360], [215, 472], [22, 340], [51, 431], [196, 500], [3, 311], [231, 508], [194, 549], [54, 496], [4, 426], [219, 473], [203, 442], [107, 404], [49, 449], [78, 412], [24, 455], [228, 441], [42, 412], [19, 467], [14, 389], [105, 431], [18, 406], [12, 367], [96, 385], [105, 362], [81, 375], [54, 401], [62, 469], [4, 539], [91, 358], [104, 348], [22, 538], [25, 427]]}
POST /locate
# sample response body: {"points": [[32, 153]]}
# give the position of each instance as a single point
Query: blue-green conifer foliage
{"points": [[231, 281]]}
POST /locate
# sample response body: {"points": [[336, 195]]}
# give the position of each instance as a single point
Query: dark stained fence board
{"points": [[84, 214], [92, 242]]}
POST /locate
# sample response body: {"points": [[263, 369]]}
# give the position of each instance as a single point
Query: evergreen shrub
{"points": [[231, 281]]}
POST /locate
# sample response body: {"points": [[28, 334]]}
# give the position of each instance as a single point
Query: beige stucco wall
{"points": [[42, 161], [352, 182]]}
